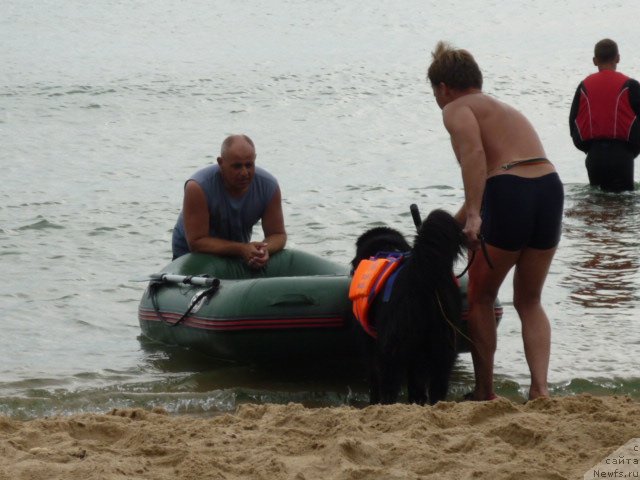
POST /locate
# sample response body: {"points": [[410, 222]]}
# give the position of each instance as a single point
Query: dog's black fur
{"points": [[415, 335], [379, 239]]}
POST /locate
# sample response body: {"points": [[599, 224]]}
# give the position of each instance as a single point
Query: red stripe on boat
{"points": [[242, 323]]}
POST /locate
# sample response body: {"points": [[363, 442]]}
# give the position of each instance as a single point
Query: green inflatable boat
{"points": [[297, 307]]}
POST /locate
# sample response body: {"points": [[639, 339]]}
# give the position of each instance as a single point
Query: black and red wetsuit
{"points": [[604, 122]]}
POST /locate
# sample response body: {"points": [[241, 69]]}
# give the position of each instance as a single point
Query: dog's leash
{"points": [[485, 252]]}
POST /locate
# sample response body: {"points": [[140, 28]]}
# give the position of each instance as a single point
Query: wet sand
{"points": [[555, 438]]}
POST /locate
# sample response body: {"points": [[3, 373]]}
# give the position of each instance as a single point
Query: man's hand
{"points": [[472, 231], [256, 255]]}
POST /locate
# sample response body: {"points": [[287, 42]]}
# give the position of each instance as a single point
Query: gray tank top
{"points": [[229, 218]]}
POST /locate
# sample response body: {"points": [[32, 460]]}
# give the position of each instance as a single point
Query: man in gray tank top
{"points": [[223, 202]]}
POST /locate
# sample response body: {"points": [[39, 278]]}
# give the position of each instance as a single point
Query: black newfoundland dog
{"points": [[414, 326]]}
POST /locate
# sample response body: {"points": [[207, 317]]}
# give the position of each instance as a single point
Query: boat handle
{"points": [[292, 299]]}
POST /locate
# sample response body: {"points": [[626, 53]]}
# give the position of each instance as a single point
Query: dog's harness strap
{"points": [[389, 269], [388, 286]]}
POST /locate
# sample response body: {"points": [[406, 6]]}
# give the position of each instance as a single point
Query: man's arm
{"points": [[196, 225], [634, 100], [573, 128], [466, 140], [275, 235]]}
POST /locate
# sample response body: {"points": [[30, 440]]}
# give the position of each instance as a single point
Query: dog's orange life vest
{"points": [[368, 280]]}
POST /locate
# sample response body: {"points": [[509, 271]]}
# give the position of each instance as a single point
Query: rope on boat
{"points": [[155, 283], [209, 292]]}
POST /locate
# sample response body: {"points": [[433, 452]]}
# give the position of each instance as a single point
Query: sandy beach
{"points": [[557, 438]]}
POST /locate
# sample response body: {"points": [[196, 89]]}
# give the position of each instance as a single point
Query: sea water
{"points": [[107, 107]]}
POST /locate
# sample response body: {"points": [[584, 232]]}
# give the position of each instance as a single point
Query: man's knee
{"points": [[481, 304], [477, 294], [524, 303]]}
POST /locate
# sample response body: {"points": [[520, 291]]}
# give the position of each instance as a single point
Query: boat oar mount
{"points": [[201, 280]]}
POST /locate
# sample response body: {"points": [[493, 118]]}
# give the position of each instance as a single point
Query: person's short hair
{"points": [[605, 50], [226, 144], [456, 68]]}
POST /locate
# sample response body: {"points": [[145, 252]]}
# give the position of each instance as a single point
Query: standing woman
{"points": [[513, 201]]}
